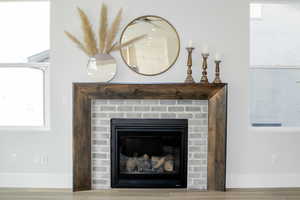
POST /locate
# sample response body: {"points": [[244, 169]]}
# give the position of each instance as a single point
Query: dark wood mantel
{"points": [[216, 94]]}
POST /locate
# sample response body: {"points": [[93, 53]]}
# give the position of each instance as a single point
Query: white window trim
{"points": [[25, 0], [255, 18], [292, 130], [275, 67], [46, 69]]}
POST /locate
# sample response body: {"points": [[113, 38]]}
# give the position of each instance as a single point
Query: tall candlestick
{"points": [[217, 78], [189, 78], [204, 78]]}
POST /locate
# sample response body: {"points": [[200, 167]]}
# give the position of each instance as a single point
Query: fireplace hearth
{"points": [[149, 153]]}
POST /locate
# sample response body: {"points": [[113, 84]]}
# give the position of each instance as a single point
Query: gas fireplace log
{"points": [[166, 162], [160, 162], [169, 166]]}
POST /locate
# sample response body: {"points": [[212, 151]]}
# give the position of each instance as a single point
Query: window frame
{"points": [[260, 18], [267, 130], [45, 68]]}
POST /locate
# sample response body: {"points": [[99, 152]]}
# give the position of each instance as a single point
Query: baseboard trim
{"points": [[35, 180], [263, 181], [64, 181]]}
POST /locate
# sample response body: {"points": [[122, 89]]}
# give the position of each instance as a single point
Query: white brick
{"points": [[199, 102], [100, 169], [185, 116], [100, 182], [150, 115], [116, 101], [204, 109], [99, 155], [108, 108], [116, 115], [168, 115], [100, 142], [141, 108], [150, 102], [176, 109], [192, 109], [100, 129], [125, 108], [132, 101], [133, 115], [168, 102], [99, 115], [158, 108], [185, 102]]}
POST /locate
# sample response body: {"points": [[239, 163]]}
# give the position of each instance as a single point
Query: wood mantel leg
{"points": [[217, 131], [81, 142]]}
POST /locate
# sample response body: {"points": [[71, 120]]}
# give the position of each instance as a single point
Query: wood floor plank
{"points": [[151, 194]]}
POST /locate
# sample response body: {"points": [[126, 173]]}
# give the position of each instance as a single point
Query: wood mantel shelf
{"points": [[216, 94]]}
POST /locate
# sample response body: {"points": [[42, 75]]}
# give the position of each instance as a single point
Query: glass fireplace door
{"points": [[149, 153]]}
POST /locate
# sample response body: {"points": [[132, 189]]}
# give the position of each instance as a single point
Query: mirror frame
{"points": [[179, 44]]}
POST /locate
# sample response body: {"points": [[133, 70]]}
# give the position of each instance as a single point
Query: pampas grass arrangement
{"points": [[106, 35]]}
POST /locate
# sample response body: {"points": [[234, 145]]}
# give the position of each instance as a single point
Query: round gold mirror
{"points": [[157, 46]]}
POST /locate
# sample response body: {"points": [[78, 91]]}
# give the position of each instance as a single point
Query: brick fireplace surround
{"points": [[193, 110], [95, 104]]}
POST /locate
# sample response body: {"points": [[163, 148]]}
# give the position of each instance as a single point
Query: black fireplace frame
{"points": [[145, 125]]}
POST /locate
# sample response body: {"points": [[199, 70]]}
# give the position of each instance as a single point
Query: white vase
{"points": [[102, 68]]}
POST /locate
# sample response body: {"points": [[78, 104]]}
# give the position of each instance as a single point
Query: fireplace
{"points": [[84, 135], [149, 153]]}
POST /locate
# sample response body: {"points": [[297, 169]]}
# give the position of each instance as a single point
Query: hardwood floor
{"points": [[160, 194]]}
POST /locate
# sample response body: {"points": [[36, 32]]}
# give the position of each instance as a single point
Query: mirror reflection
{"points": [[156, 51]]}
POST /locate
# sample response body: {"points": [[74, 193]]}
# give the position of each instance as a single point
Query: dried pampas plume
{"points": [[103, 28], [114, 29], [106, 37], [89, 36], [77, 42], [117, 47]]}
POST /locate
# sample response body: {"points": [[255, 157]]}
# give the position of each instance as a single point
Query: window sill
{"points": [[274, 129], [24, 129]]}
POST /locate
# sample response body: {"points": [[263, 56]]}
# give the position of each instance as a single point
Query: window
{"points": [[24, 62], [275, 66]]}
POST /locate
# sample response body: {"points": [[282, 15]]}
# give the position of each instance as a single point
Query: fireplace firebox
{"points": [[149, 153]]}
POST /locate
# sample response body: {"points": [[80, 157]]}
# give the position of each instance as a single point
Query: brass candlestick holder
{"points": [[204, 78], [189, 78], [217, 78]]}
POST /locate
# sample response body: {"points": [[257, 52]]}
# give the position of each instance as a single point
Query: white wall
{"points": [[224, 25]]}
